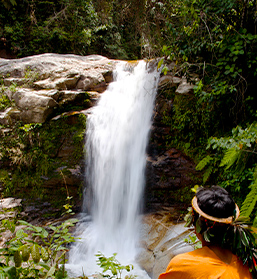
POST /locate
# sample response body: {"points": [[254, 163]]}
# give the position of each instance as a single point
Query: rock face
{"points": [[168, 170], [53, 87], [45, 82], [33, 106], [161, 239]]}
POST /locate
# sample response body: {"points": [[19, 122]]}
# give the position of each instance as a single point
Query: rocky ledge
{"points": [[40, 84], [54, 88]]}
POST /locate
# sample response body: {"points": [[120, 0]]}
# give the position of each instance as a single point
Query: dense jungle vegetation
{"points": [[214, 39]]}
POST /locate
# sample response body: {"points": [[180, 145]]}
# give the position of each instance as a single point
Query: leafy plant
{"points": [[233, 164], [30, 76], [250, 200], [30, 152], [38, 254], [113, 265], [9, 3], [4, 101]]}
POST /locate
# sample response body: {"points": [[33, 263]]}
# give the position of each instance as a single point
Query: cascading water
{"points": [[116, 140]]}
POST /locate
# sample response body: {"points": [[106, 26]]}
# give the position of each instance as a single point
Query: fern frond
{"points": [[203, 163], [207, 174], [241, 162], [255, 172], [250, 201], [255, 222], [230, 157]]}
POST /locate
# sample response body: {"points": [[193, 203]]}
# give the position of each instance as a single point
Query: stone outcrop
{"points": [[168, 170], [43, 83], [33, 106], [162, 239], [9, 208], [48, 87]]}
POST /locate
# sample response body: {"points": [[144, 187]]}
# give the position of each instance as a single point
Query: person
{"points": [[228, 246]]}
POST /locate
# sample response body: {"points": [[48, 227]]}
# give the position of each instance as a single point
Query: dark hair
{"points": [[216, 202], [212, 232]]}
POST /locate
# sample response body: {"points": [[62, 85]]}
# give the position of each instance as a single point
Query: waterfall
{"points": [[116, 140]]}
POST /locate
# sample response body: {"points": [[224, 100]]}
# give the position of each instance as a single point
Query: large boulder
{"points": [[33, 107], [42, 83], [56, 70], [161, 240]]}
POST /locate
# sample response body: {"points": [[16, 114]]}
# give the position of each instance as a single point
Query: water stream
{"points": [[116, 140]]}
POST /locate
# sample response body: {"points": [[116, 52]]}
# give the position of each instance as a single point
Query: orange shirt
{"points": [[204, 263]]}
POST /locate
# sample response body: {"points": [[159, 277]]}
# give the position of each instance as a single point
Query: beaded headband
{"points": [[227, 220]]}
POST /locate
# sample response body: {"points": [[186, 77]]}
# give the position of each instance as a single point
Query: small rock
{"points": [[185, 88], [8, 203]]}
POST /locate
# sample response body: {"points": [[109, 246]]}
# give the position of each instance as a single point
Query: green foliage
{"points": [[40, 252], [9, 3], [4, 101], [113, 265], [217, 41], [202, 164], [30, 152], [194, 241], [126, 29], [250, 200], [182, 195], [30, 76], [234, 166], [242, 242], [33, 251], [229, 158], [192, 121]]}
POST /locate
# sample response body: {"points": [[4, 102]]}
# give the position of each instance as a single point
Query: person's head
{"points": [[216, 202], [213, 211]]}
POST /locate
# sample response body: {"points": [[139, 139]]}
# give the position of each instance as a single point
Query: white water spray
{"points": [[116, 140]]}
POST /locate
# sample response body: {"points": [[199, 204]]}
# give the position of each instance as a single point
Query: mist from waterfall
{"points": [[116, 140]]}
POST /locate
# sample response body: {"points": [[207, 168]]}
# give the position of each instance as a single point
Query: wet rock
{"points": [[161, 240], [71, 97], [59, 71], [49, 93], [185, 88], [169, 80], [56, 87], [60, 83], [13, 80]]}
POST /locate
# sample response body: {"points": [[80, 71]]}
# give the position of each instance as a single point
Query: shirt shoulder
{"points": [[203, 263]]}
